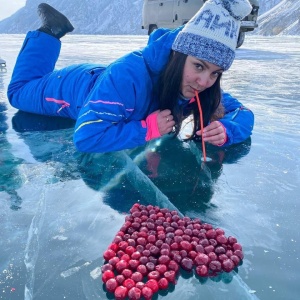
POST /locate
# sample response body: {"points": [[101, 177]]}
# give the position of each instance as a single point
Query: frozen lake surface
{"points": [[59, 209]]}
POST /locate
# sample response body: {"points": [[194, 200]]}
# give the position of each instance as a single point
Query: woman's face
{"points": [[198, 75]]}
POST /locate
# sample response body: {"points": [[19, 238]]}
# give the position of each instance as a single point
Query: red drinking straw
{"points": [[201, 125]]}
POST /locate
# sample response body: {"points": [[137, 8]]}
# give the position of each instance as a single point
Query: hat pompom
{"points": [[238, 9]]}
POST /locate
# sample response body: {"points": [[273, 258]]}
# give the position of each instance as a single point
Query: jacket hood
{"points": [[156, 53]]}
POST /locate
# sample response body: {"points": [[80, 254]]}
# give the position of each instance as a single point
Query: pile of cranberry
{"points": [[153, 243]]}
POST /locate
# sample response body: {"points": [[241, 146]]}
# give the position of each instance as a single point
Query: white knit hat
{"points": [[212, 33]]}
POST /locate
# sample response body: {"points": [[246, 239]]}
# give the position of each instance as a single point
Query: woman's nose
{"points": [[204, 81]]}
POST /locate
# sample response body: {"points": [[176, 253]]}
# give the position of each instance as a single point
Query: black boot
{"points": [[53, 22]]}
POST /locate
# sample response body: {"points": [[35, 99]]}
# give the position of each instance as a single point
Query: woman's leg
{"points": [[35, 62], [33, 73]]}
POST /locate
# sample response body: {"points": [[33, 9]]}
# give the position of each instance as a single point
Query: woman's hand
{"points": [[165, 121], [214, 133]]}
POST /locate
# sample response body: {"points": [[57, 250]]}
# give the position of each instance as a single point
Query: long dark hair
{"points": [[169, 91]]}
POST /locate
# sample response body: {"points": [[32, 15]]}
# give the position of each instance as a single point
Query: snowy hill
{"points": [[282, 19], [125, 16], [87, 16]]}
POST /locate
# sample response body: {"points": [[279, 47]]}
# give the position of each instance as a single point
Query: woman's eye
{"points": [[216, 74], [199, 67]]}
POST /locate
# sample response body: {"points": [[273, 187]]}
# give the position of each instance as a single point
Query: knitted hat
{"points": [[212, 33]]}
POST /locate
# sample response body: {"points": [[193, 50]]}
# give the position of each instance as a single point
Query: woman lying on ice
{"points": [[144, 94]]}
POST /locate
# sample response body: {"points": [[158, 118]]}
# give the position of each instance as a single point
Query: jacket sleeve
{"points": [[238, 120], [105, 121]]}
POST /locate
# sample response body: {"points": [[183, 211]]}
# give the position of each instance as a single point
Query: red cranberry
{"points": [[140, 285], [164, 259], [137, 276], [108, 254], [228, 265], [107, 275], [136, 214], [134, 294], [159, 243], [177, 257], [165, 246], [165, 252], [173, 265], [186, 246], [223, 257], [111, 284], [211, 234], [129, 250], [142, 269], [161, 235], [153, 259], [209, 249], [232, 240], [150, 266], [215, 266], [120, 233], [187, 264], [201, 259], [183, 253], [186, 237], [212, 256], [202, 270], [114, 247], [204, 242], [154, 275], [236, 260], [140, 248], [239, 254], [154, 250], [126, 273], [197, 225], [125, 257], [107, 267], [151, 239], [120, 253], [147, 292], [213, 242], [135, 255], [143, 260], [178, 239], [113, 261], [178, 232], [192, 254], [160, 228], [121, 265], [170, 276], [141, 241], [220, 250], [174, 246], [163, 283], [152, 284], [123, 245], [236, 246], [222, 239], [128, 283], [133, 264], [220, 231], [120, 279], [200, 249], [121, 292], [161, 268], [146, 252]]}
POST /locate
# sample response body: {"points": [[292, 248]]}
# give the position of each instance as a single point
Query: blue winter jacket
{"points": [[108, 103]]}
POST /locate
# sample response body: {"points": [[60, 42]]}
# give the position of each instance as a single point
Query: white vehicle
{"points": [[2, 63], [174, 13]]}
